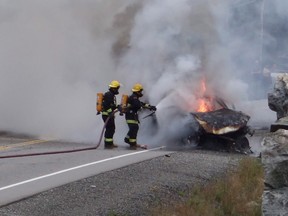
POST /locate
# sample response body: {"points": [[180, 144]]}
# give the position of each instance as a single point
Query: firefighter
{"points": [[109, 106], [131, 115]]}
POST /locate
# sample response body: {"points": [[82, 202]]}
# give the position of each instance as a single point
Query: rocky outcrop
{"points": [[275, 160], [281, 123], [278, 99]]}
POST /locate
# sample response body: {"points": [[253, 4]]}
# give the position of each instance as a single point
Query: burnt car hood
{"points": [[221, 121]]}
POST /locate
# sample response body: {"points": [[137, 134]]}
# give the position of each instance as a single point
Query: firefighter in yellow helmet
{"points": [[131, 115], [109, 105]]}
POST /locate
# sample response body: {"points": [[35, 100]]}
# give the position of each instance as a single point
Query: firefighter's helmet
{"points": [[114, 84], [137, 87]]}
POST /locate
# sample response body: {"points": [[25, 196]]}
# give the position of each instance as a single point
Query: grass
{"points": [[238, 193]]}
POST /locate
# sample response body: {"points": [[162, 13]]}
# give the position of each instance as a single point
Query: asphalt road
{"points": [[132, 190], [22, 177]]}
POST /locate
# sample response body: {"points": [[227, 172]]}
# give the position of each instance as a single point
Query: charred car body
{"points": [[223, 129]]}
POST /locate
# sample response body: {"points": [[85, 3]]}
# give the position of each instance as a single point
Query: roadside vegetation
{"points": [[238, 193]]}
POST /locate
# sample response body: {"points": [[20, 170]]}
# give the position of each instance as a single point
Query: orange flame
{"points": [[204, 103], [203, 85]]}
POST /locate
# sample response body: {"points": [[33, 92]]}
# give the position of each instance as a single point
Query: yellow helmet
{"points": [[114, 84], [137, 87]]}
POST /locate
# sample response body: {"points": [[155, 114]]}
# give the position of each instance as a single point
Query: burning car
{"points": [[223, 129], [211, 124]]}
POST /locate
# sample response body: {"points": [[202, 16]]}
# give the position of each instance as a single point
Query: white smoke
{"points": [[56, 55], [182, 47]]}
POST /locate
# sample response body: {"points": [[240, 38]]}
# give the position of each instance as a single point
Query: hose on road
{"points": [[64, 151]]}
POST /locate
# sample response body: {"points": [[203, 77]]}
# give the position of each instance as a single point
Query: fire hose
{"points": [[65, 151]]}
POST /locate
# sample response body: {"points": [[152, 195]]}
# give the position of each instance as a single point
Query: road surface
{"points": [[22, 177]]}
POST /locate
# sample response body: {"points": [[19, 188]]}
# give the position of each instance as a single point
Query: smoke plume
{"points": [[56, 55]]}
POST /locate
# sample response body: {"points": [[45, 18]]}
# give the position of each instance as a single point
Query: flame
{"points": [[203, 85], [204, 103]]}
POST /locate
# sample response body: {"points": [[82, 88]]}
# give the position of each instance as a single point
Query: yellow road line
{"points": [[32, 142]]}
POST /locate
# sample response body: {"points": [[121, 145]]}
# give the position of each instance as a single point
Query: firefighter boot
{"points": [[110, 145], [133, 147], [126, 140]]}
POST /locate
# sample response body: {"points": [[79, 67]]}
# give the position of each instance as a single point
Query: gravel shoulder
{"points": [[131, 190]]}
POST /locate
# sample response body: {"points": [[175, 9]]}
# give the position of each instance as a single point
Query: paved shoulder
{"points": [[130, 190]]}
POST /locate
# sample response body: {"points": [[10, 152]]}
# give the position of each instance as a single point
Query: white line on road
{"points": [[77, 167]]}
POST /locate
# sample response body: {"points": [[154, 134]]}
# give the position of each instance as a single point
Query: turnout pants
{"points": [[109, 130], [132, 134]]}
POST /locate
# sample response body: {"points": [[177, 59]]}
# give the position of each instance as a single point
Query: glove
{"points": [[119, 107], [153, 108]]}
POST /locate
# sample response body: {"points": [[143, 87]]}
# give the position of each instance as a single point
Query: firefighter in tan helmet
{"points": [[131, 115], [109, 106]]}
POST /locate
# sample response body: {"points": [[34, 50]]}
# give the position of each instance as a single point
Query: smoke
{"points": [[56, 55], [183, 46]]}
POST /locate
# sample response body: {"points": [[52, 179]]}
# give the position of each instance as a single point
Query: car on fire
{"points": [[216, 127], [223, 129]]}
